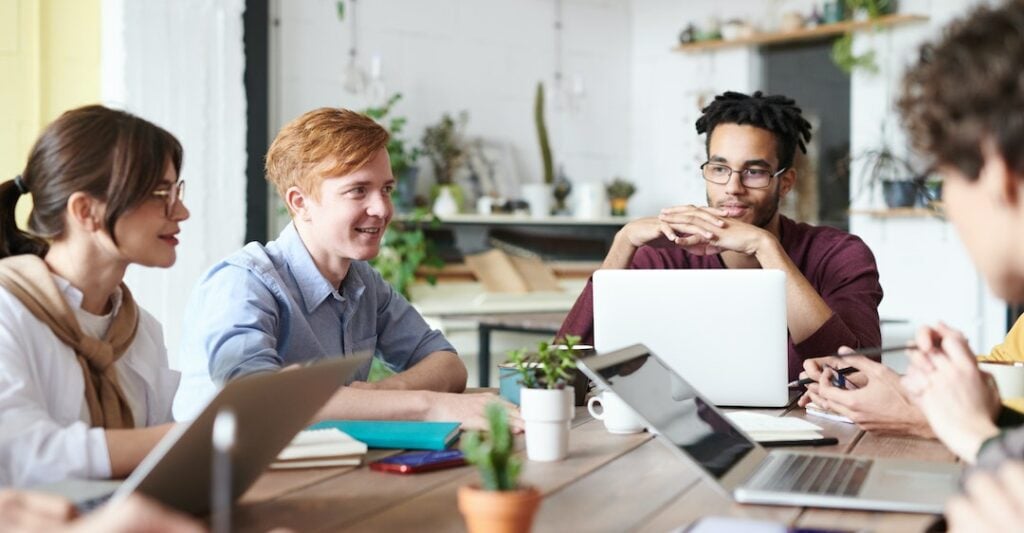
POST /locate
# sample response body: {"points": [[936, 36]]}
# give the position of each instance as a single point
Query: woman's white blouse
{"points": [[45, 434]]}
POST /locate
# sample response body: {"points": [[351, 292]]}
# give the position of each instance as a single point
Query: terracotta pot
{"points": [[494, 511]]}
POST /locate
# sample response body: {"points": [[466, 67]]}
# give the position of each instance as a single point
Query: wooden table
{"points": [[608, 483]]}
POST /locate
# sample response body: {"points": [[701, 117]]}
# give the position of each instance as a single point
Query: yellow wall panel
{"points": [[49, 63]]}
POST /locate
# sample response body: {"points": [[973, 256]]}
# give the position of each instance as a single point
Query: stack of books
{"points": [[318, 448]]}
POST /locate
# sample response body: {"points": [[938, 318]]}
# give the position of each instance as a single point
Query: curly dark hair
{"points": [[969, 87], [775, 113]]}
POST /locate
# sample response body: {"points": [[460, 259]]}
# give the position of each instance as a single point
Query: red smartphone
{"points": [[416, 462]]}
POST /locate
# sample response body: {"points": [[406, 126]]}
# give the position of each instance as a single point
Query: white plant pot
{"points": [[539, 196], [445, 204], [548, 416], [591, 201]]}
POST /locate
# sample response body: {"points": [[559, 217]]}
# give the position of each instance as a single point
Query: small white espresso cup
{"points": [[616, 415], [1009, 377]]}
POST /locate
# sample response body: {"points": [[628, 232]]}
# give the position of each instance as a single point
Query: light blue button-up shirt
{"points": [[267, 307]]}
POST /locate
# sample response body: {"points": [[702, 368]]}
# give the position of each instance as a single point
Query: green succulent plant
{"points": [[550, 367], [492, 452], [620, 188]]}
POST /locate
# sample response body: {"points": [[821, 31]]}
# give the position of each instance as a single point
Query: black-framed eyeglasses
{"points": [[750, 177], [172, 196]]}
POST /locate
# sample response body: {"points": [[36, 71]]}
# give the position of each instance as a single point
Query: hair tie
{"points": [[20, 184]]}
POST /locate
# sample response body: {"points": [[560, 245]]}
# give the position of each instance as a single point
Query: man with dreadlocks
{"points": [[832, 290]]}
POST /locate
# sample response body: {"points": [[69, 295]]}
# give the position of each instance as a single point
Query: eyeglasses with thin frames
{"points": [[750, 177], [172, 195]]}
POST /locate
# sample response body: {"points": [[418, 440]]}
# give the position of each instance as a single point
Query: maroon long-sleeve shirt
{"points": [[839, 266]]}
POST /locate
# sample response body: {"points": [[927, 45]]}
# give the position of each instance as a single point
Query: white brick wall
{"points": [[179, 63], [484, 56]]}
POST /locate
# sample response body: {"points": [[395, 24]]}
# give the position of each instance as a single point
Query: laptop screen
{"points": [[676, 411]]}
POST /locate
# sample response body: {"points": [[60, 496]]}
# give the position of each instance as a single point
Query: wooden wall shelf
{"points": [[805, 34]]}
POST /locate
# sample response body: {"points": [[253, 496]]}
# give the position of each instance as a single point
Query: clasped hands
{"points": [[698, 230]]}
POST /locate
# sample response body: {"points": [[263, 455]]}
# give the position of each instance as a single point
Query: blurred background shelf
{"points": [[804, 34], [902, 212]]}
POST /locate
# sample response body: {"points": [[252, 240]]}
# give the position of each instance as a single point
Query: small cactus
{"points": [[492, 452], [542, 135]]}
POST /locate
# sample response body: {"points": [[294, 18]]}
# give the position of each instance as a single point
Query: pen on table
{"points": [[825, 441], [849, 370]]}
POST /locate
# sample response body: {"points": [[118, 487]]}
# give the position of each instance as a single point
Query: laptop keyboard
{"points": [[811, 474]]}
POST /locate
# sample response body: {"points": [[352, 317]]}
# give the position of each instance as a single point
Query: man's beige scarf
{"points": [[30, 280]]}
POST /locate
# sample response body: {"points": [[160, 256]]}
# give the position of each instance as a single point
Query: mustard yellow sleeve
{"points": [[1012, 348]]}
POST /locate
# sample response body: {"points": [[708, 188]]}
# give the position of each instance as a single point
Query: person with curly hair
{"points": [[832, 289]]}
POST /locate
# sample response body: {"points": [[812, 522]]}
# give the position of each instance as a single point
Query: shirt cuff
{"points": [[97, 454]]}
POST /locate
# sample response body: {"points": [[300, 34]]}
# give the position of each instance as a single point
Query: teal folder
{"points": [[397, 434]]}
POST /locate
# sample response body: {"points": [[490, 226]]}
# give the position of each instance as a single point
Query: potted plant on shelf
{"points": [[901, 184], [619, 191], [499, 503], [404, 248], [842, 48], [403, 155], [539, 195], [546, 397], [443, 145]]}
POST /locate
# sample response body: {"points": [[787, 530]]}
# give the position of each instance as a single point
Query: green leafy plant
{"points": [[492, 452], [403, 155], [847, 61], [404, 248], [874, 8], [620, 188], [842, 48], [542, 134], [550, 367], [443, 145]]}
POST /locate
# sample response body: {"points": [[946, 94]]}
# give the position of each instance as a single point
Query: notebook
{"points": [[321, 448], [766, 428], [397, 434]]}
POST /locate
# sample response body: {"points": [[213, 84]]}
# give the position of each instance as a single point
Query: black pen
{"points": [[848, 370], [824, 441]]}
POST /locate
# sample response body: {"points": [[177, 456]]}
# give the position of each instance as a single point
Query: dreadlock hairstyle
{"points": [[776, 113]]}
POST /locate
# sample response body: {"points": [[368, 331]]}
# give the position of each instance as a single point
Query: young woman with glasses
{"points": [[85, 390]]}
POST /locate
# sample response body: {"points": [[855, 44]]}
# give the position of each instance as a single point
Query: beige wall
{"points": [[49, 63]]}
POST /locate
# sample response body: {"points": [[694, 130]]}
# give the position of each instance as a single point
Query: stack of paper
{"points": [[317, 448], [767, 428]]}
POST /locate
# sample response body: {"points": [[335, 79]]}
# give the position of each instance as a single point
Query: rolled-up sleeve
{"points": [[403, 337], [849, 285], [237, 324]]}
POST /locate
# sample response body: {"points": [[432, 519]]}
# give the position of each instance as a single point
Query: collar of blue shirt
{"points": [[312, 284]]}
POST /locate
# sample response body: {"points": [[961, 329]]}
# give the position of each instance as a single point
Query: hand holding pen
{"points": [[843, 371]]}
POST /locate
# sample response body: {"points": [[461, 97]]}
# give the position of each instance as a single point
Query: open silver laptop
{"points": [[695, 430], [725, 330], [270, 409]]}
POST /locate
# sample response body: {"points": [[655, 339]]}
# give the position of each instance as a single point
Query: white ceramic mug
{"points": [[1009, 377], [616, 415]]}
